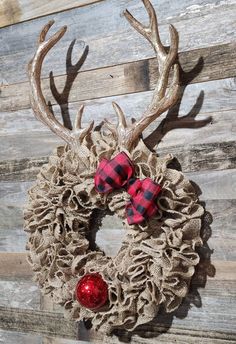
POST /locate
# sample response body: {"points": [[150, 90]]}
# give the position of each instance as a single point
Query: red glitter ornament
{"points": [[92, 291]]}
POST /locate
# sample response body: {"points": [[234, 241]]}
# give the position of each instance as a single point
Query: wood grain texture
{"points": [[216, 188], [220, 327], [217, 62], [215, 185], [16, 11], [55, 340], [225, 270], [19, 294], [213, 97], [13, 239], [215, 156], [36, 321], [200, 101], [120, 67], [12, 197], [110, 38], [14, 265], [10, 337], [110, 235]]}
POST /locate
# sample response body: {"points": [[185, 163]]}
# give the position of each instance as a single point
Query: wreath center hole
{"points": [[107, 234]]}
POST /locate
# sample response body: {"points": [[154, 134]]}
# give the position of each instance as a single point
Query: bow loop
{"points": [[113, 174], [118, 173]]}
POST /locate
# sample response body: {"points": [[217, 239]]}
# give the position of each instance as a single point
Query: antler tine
{"points": [[38, 102], [121, 128], [78, 118], [120, 115], [78, 130], [150, 32], [163, 98], [39, 105]]}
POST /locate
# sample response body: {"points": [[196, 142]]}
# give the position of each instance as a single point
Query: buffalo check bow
{"points": [[118, 173]]}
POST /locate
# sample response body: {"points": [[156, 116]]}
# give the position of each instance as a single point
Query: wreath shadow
{"points": [[163, 321]]}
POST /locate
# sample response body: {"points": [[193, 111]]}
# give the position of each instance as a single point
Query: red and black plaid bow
{"points": [[117, 173]]}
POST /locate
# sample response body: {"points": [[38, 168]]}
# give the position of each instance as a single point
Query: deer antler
{"points": [[163, 98], [39, 105]]}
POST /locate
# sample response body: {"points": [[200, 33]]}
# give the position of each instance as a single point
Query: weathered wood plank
{"points": [[215, 98], [12, 197], [225, 270], [23, 136], [123, 43], [218, 191], [54, 340], [110, 235], [10, 337], [36, 321], [19, 294], [12, 239], [215, 185], [211, 156], [218, 62], [10, 168], [16, 11], [47, 304], [53, 323], [14, 265]]}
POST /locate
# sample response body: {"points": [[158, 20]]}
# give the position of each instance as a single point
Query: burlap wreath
{"points": [[156, 260]]}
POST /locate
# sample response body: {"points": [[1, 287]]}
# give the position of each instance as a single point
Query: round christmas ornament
{"points": [[100, 170]]}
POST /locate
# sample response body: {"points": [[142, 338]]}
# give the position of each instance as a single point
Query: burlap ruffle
{"points": [[156, 260]]}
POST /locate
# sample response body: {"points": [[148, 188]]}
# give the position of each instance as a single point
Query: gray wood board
{"points": [[216, 320], [15, 11], [22, 136], [10, 337], [211, 97], [36, 321], [19, 294], [111, 234], [192, 158], [12, 196], [217, 190], [200, 65], [111, 39]]}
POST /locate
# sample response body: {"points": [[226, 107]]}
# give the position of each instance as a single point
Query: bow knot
{"points": [[119, 173]]}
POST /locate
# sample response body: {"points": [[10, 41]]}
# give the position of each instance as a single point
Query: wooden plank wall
{"points": [[200, 131]]}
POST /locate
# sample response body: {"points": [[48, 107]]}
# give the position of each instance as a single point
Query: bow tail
{"points": [[137, 214]]}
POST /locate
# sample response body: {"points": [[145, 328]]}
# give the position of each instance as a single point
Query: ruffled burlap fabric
{"points": [[156, 260]]}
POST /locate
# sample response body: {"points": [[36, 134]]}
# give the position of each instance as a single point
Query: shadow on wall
{"points": [[72, 71], [172, 120], [163, 320]]}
